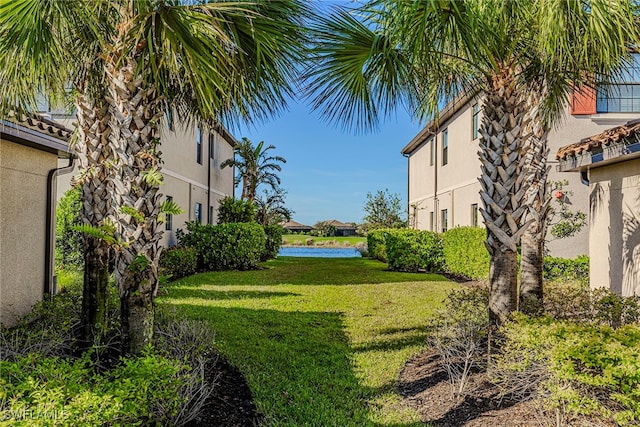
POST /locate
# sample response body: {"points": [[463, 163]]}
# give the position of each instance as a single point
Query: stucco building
{"points": [[611, 160], [443, 164], [29, 153], [191, 169]]}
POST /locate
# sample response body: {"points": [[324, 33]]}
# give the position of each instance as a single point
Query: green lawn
{"points": [[301, 239], [320, 341]]}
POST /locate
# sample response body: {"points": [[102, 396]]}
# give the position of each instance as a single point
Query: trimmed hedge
{"points": [[563, 268], [178, 262], [273, 234], [414, 250], [231, 246], [465, 253], [376, 244]]}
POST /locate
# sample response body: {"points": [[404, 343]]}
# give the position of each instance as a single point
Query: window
{"points": [[210, 215], [198, 145], [623, 95], [169, 119], [476, 121], [474, 215], [444, 216], [168, 222], [198, 213], [431, 224], [445, 147], [212, 142], [432, 147]]}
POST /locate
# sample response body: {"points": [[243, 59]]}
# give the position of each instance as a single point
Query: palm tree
{"points": [[254, 167], [271, 208], [419, 53], [207, 62]]}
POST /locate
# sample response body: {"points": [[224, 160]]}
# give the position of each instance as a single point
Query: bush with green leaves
{"points": [[141, 390], [465, 253], [68, 250], [584, 368], [376, 244], [178, 262], [230, 246], [566, 269], [236, 210], [414, 250], [273, 234]]}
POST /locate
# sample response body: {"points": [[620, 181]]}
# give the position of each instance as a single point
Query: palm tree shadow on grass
{"points": [[206, 294], [298, 364]]}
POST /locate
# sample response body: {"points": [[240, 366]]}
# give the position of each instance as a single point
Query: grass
{"points": [[320, 341], [301, 239]]}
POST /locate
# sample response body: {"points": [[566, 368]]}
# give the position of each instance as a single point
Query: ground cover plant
{"points": [[45, 380], [320, 341]]}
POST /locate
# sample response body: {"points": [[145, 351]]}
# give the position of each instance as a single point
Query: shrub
{"points": [[588, 369], [68, 251], [414, 250], [178, 262], [376, 244], [273, 234], [459, 334], [232, 246], [236, 210], [465, 253], [141, 390], [566, 269]]}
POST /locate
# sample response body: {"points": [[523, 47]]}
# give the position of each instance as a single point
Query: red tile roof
{"points": [[602, 139]]}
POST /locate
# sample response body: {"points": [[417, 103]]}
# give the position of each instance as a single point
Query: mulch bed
{"points": [[424, 386], [231, 404]]}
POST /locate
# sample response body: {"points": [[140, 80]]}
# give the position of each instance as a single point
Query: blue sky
{"points": [[329, 171]]}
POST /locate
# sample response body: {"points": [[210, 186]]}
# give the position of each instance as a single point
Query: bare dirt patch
{"points": [[425, 387]]}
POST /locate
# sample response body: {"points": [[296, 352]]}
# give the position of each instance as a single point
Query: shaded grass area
{"points": [[300, 239], [320, 341]]}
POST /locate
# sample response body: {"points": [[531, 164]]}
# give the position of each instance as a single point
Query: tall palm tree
{"points": [[419, 53], [208, 62], [271, 208], [254, 166]]}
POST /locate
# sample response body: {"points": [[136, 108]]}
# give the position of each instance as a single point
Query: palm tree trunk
{"points": [[535, 141], [136, 113], [503, 188], [93, 158], [503, 276]]}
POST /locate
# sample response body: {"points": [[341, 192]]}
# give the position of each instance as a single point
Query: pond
{"points": [[319, 252]]}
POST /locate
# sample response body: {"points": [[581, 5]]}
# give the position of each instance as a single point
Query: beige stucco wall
{"points": [[23, 199], [184, 179], [614, 243], [571, 129], [458, 187]]}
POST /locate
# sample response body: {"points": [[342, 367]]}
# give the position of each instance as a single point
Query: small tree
{"points": [[384, 210], [271, 209]]}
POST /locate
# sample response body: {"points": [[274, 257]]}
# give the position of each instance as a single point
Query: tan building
{"points": [[611, 160], [192, 174], [443, 164], [29, 154], [191, 169]]}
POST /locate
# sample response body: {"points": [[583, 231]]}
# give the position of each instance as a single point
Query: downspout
{"points": [[211, 144], [407, 156], [436, 204], [584, 177], [50, 280], [453, 207]]}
